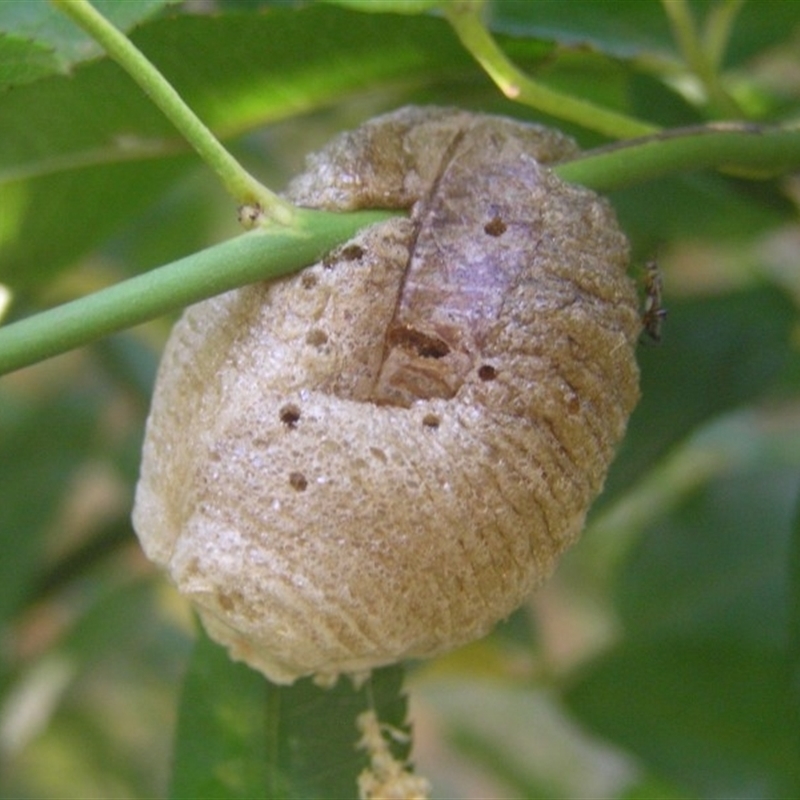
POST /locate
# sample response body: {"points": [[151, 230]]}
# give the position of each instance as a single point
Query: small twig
{"points": [[740, 148]]}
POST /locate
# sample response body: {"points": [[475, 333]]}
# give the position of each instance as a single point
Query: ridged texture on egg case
{"points": [[380, 457]]}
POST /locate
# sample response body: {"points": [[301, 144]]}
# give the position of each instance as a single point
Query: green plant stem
{"points": [[739, 148], [257, 255], [240, 184], [466, 21]]}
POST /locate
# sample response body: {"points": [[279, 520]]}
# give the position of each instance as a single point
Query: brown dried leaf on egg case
{"points": [[380, 457]]}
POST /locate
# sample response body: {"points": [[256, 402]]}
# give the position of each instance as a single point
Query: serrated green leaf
{"points": [[39, 40], [23, 60], [240, 736]]}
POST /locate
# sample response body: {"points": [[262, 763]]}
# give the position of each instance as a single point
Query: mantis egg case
{"points": [[380, 457]]}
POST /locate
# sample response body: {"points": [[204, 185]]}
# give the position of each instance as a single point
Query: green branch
{"points": [[753, 151], [249, 193], [257, 255]]}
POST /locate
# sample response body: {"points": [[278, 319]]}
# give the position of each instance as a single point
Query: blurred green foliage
{"points": [[663, 658]]}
